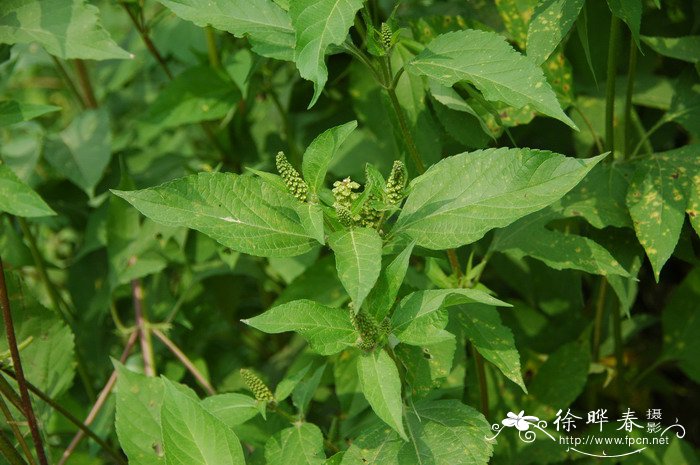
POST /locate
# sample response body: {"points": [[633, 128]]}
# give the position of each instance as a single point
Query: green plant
{"points": [[310, 232]]}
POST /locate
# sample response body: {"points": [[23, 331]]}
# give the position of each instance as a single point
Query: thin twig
{"points": [[85, 84], [185, 361], [27, 408], [8, 451], [69, 82], [15, 430], [149, 367], [627, 121], [101, 399]]}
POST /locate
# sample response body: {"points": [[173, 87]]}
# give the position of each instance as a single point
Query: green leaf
{"points": [[84, 149], [327, 329], [318, 25], [12, 112], [266, 25], [358, 258], [301, 444], [193, 435], [198, 94], [320, 152], [681, 323], [442, 432], [516, 15], [487, 61], [461, 198], [426, 367], [551, 23], [630, 11], [381, 385], [65, 28], [17, 198], [241, 212], [659, 196], [231, 408], [139, 399], [415, 316], [492, 339], [530, 236], [685, 48], [383, 296]]}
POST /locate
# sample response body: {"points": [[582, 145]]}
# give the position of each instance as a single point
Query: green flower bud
{"points": [[396, 183], [367, 327], [344, 192], [369, 216], [344, 216], [295, 183], [257, 386], [385, 34]]}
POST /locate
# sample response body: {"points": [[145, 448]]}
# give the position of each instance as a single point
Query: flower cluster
{"points": [[396, 183], [257, 386], [386, 35], [295, 183]]}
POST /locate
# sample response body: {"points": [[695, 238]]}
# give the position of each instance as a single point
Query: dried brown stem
{"points": [[185, 361]]}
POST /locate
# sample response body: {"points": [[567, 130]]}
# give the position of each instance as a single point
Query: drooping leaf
{"points": [[686, 48], [487, 61], [139, 399], [300, 444], [17, 198], [358, 258], [551, 23], [65, 28], [266, 25], [461, 198], [426, 367], [381, 385], [530, 236], [241, 212], [193, 435], [630, 11], [681, 323], [383, 295], [12, 112], [84, 149], [443, 432], [492, 339], [231, 408], [318, 25], [417, 319], [320, 152], [198, 94], [659, 196], [327, 329]]}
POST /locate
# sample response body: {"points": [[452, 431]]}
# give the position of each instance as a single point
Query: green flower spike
{"points": [[295, 183], [257, 386], [385, 33], [396, 183], [367, 327]]}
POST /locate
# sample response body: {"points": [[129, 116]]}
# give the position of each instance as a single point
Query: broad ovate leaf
{"points": [[686, 48], [358, 258], [550, 24], [461, 198], [381, 385], [327, 329], [263, 22], [300, 444], [65, 28], [319, 24], [383, 294], [320, 152], [487, 61], [244, 213], [193, 435], [17, 198], [12, 112]]}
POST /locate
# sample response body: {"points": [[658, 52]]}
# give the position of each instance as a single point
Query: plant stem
{"points": [[481, 377], [589, 125], [101, 399], [619, 356], [70, 417], [149, 366], [405, 131], [69, 82], [598, 322], [185, 361], [663, 120], [211, 47], [613, 46], [27, 408], [147, 41], [85, 84], [15, 429], [627, 121], [8, 451]]}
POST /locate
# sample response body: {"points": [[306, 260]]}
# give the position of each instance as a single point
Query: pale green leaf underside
{"points": [[685, 48], [193, 435], [486, 60], [65, 28], [231, 408], [12, 112], [550, 24], [461, 198], [442, 432], [241, 212], [298, 445], [17, 198], [318, 25], [320, 152], [381, 385], [358, 259], [266, 25], [327, 329]]}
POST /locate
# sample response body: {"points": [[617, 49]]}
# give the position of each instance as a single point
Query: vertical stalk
{"points": [[631, 70], [211, 47], [84, 79], [613, 47], [17, 364], [598, 323], [481, 377], [149, 366], [15, 430], [406, 132], [186, 362], [8, 451], [69, 82], [619, 356]]}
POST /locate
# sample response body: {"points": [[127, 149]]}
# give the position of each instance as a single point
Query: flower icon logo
{"points": [[520, 421]]}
